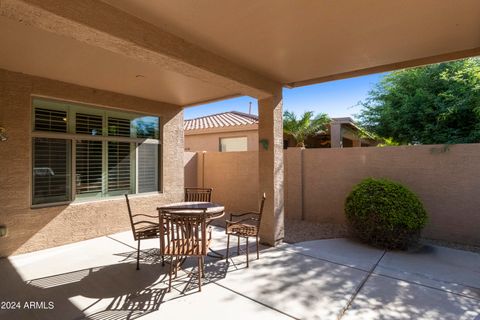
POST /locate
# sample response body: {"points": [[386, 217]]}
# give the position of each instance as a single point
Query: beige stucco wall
{"points": [[33, 229], [445, 178], [210, 141], [233, 177], [293, 158], [190, 160]]}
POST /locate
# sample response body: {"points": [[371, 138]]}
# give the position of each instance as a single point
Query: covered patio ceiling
{"points": [[187, 52]]}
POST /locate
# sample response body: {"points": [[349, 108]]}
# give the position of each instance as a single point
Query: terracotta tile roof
{"points": [[225, 119]]}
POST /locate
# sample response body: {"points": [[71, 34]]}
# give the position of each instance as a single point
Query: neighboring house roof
{"points": [[239, 119], [349, 122], [221, 120], [346, 121]]}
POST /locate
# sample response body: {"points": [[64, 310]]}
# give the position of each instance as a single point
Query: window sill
{"points": [[119, 197], [47, 205], [78, 202]]}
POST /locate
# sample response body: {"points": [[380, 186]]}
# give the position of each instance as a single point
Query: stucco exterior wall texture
{"points": [[233, 177], [271, 168], [211, 141], [33, 229], [445, 179], [190, 160], [293, 158]]}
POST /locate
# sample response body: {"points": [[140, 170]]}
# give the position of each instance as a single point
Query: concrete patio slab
{"points": [[386, 298], [342, 251], [126, 238], [66, 258], [439, 267], [96, 279], [215, 302], [153, 301], [298, 285]]}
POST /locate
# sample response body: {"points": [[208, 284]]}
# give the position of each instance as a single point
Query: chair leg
{"points": [[228, 247], [258, 254], [203, 267], [138, 255], [161, 249], [199, 273], [238, 245], [247, 249], [170, 275]]}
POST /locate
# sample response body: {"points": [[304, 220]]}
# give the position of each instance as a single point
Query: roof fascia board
{"points": [[388, 67]]}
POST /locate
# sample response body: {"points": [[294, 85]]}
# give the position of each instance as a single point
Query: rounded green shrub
{"points": [[385, 214]]}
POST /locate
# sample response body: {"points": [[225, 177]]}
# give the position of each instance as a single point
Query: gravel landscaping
{"points": [[452, 245], [300, 230]]}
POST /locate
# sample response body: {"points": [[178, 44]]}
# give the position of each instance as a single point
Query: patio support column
{"points": [[270, 161], [336, 135]]}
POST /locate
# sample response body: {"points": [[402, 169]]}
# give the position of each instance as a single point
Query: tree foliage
{"points": [[300, 128], [433, 104]]}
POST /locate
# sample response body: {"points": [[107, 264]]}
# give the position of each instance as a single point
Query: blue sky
{"points": [[337, 99]]}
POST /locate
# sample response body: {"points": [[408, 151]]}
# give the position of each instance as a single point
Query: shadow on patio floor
{"points": [[118, 291]]}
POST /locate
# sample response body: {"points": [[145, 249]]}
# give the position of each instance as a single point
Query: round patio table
{"points": [[210, 209]]}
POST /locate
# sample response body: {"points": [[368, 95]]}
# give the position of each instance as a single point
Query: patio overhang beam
{"points": [[389, 67], [101, 25]]}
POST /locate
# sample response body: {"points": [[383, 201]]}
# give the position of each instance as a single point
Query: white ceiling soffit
{"points": [[44, 54], [294, 41], [290, 42]]}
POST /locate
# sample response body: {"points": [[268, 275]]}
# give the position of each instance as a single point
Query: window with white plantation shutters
{"points": [[50, 120], [88, 165], [88, 124], [118, 127], [118, 167], [51, 170], [83, 152], [233, 144], [147, 164]]}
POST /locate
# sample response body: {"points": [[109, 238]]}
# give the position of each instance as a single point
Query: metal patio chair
{"points": [[244, 225], [184, 235], [198, 194], [144, 226]]}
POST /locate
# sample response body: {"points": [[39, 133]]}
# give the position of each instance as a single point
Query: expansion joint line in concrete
{"points": [[256, 301], [354, 295], [126, 244]]}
